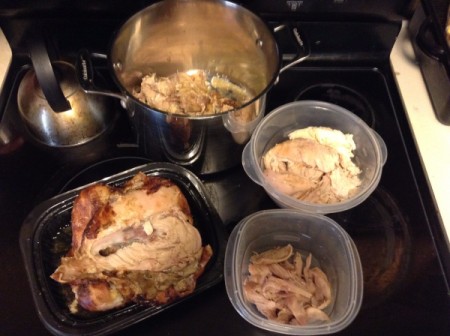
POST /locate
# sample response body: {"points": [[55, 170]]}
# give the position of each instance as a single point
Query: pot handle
{"points": [[85, 73], [45, 73], [303, 50], [429, 46]]}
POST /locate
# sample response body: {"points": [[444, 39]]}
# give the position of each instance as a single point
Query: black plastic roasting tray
{"points": [[46, 236]]}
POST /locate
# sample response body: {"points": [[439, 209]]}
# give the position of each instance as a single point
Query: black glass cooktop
{"points": [[395, 229]]}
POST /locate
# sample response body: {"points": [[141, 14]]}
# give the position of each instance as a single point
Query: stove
{"points": [[406, 277]]}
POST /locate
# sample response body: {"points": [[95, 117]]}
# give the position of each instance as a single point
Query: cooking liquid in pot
{"points": [[194, 93]]}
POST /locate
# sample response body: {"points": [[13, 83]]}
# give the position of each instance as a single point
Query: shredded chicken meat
{"points": [[132, 243], [192, 93], [285, 288], [314, 165]]}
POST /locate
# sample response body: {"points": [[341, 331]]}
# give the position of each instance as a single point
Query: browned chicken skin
{"points": [[134, 243]]}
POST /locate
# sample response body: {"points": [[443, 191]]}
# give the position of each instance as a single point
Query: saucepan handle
{"points": [[429, 45], [45, 73], [302, 46], [85, 72]]}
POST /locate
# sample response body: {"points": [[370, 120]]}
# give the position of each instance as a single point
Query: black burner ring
{"points": [[342, 96]]}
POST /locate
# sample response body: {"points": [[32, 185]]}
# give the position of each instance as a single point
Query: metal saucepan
{"points": [[174, 36], [54, 107]]}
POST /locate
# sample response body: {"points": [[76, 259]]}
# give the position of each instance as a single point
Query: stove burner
{"points": [[102, 169], [342, 96], [71, 176], [381, 235]]}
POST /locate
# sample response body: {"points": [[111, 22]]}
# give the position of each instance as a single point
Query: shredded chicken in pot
{"points": [[192, 93], [285, 288]]}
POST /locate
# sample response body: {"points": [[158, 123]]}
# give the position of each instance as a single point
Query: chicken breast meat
{"points": [[133, 243], [314, 165]]}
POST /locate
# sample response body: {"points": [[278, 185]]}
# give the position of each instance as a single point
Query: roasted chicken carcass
{"points": [[133, 243]]}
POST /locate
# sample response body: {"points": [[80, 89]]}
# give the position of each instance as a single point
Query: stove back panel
{"points": [[370, 8]]}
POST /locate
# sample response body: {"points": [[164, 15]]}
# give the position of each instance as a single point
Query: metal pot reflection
{"points": [[206, 145]]}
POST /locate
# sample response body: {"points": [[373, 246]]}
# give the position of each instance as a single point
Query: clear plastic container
{"points": [[370, 153], [333, 251]]}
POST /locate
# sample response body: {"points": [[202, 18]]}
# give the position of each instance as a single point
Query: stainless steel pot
{"points": [[215, 36], [52, 104], [86, 118]]}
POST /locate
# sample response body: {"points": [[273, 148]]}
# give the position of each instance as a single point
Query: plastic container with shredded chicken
{"points": [[369, 156], [333, 252]]}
